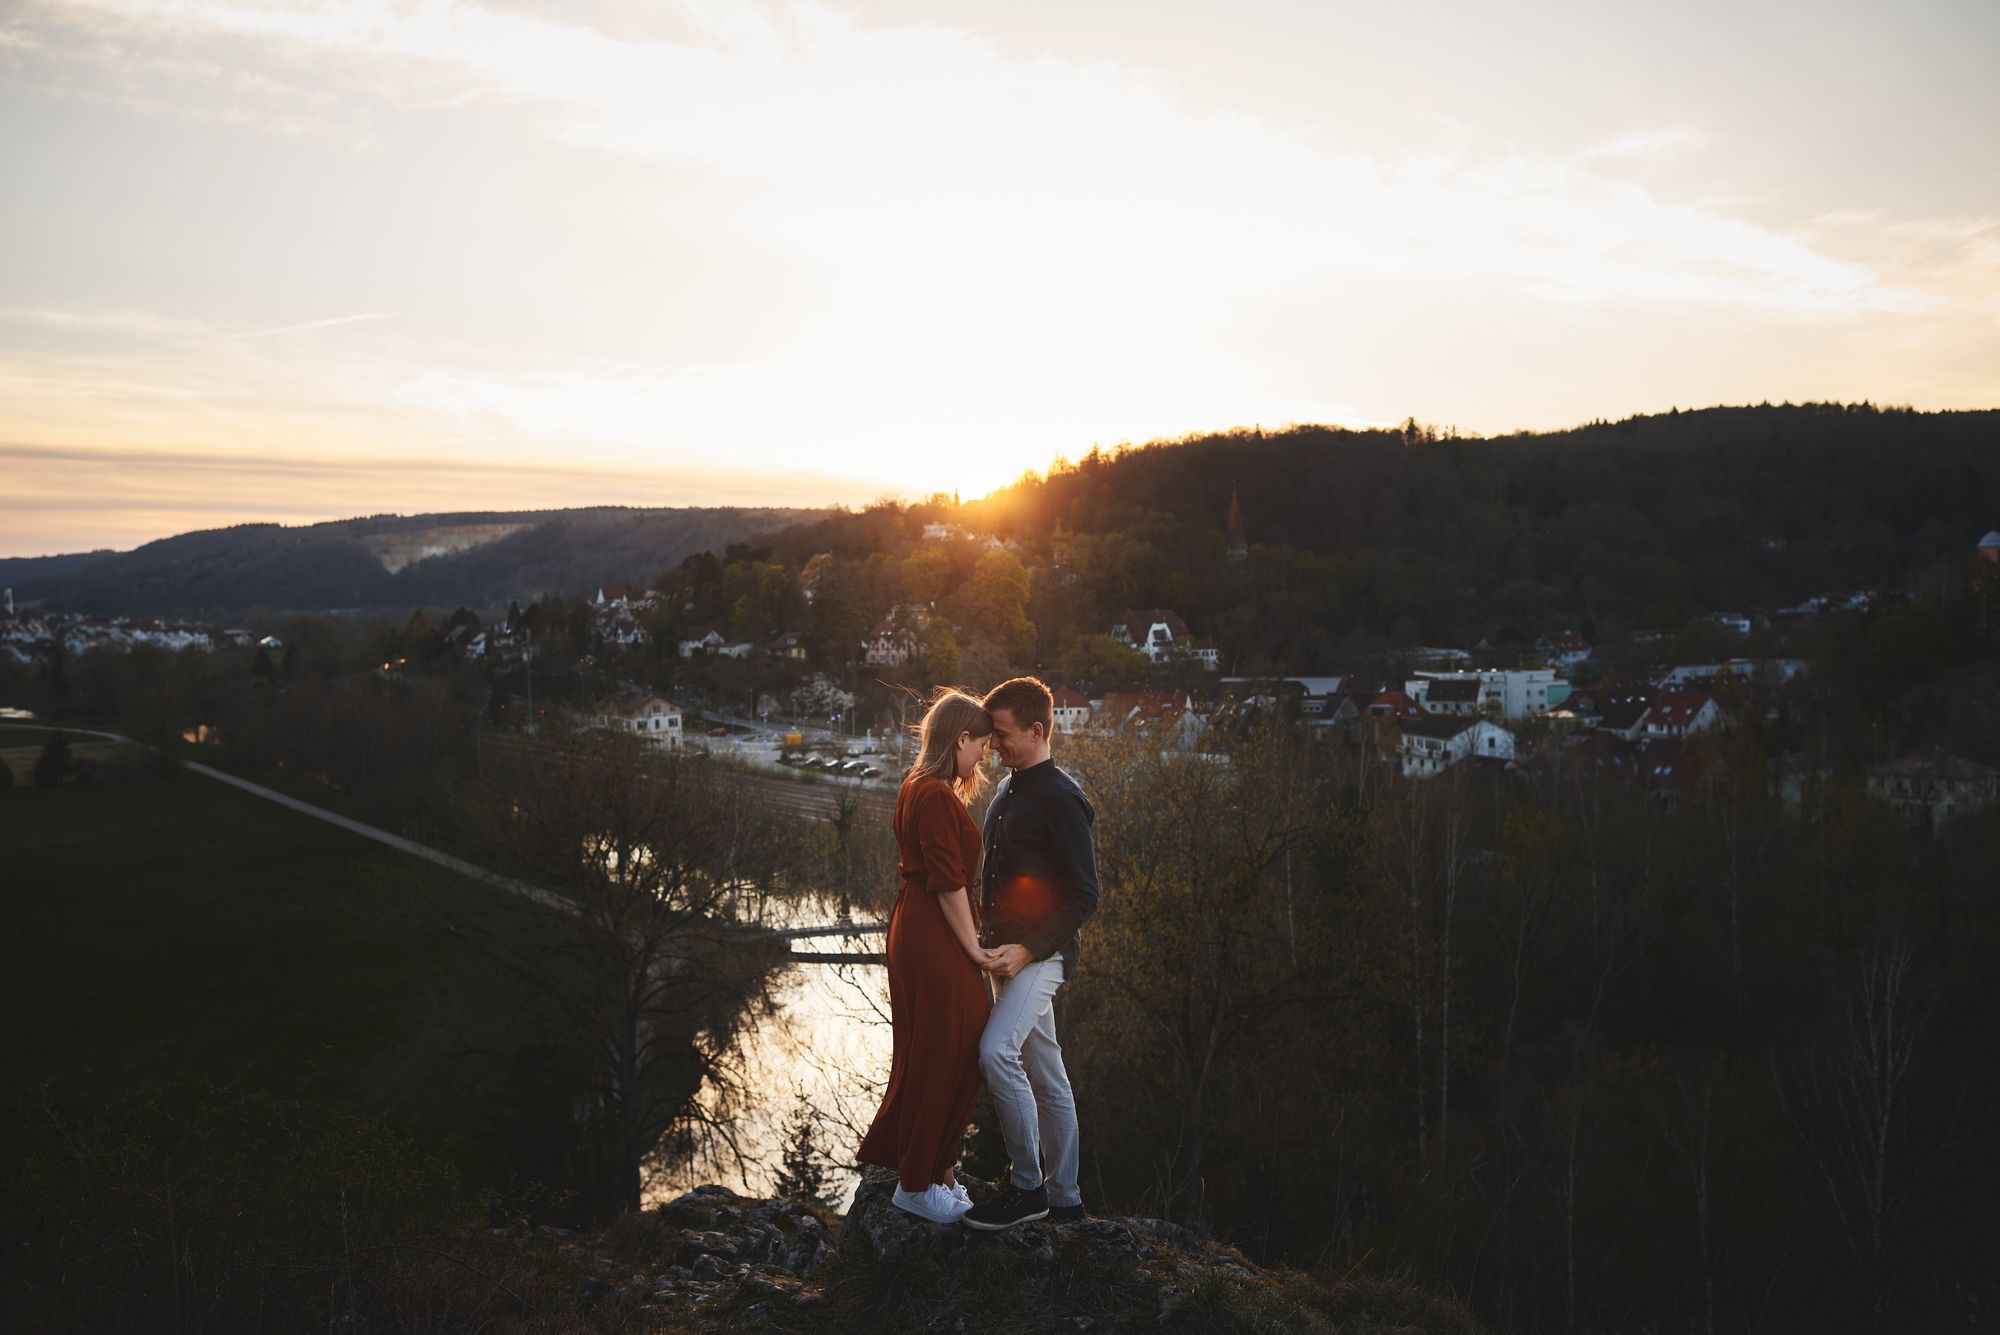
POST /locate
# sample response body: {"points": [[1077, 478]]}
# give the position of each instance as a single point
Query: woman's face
{"points": [[966, 754]]}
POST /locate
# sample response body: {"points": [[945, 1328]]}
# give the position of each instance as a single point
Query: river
{"points": [[822, 1052]]}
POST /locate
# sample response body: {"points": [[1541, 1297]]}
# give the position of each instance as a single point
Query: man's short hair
{"points": [[1027, 699]]}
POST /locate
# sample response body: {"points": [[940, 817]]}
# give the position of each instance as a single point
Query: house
{"points": [[1152, 632], [1394, 705], [1679, 713], [617, 627], [1141, 709], [1171, 715], [1703, 676], [1930, 789], [1625, 718], [1435, 742], [711, 641], [1519, 692], [1735, 621], [1671, 769], [1457, 696], [1615, 704], [790, 646], [656, 719], [610, 593], [1314, 695], [890, 644], [1072, 710], [1438, 657], [1562, 649]]}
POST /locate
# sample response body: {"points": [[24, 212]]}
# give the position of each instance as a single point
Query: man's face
{"points": [[1012, 742]]}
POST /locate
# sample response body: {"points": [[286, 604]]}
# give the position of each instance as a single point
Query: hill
{"points": [[1413, 535], [389, 562]]}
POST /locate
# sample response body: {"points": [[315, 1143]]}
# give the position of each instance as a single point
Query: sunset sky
{"points": [[296, 262]]}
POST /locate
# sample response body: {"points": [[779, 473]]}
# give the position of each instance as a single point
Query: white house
{"points": [[652, 717], [1434, 743], [1702, 676], [1153, 632], [1562, 649], [1517, 693], [711, 642], [1072, 710]]}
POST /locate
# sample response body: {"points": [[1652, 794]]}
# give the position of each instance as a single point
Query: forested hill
{"points": [[1427, 537], [390, 562]]}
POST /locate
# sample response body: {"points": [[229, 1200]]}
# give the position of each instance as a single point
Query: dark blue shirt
{"points": [[1039, 883]]}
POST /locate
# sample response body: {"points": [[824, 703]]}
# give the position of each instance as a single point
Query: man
{"points": [[1038, 888]]}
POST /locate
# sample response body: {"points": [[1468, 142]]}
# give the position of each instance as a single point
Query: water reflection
{"points": [[828, 1040]]}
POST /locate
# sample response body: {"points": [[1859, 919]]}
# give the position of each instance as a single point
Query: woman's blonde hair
{"points": [[951, 712]]}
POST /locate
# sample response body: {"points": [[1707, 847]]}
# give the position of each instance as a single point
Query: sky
{"points": [[293, 262]]}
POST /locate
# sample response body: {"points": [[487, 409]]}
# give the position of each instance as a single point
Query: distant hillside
{"points": [[1631, 521], [483, 560]]}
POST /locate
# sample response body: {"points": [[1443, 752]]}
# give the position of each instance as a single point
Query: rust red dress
{"points": [[937, 995]]}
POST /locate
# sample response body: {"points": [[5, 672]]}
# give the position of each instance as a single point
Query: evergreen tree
{"points": [[802, 1173]]}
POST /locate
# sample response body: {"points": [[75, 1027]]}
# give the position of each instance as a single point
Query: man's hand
{"points": [[1006, 961]]}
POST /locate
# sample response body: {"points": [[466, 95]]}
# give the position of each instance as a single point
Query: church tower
{"points": [[1232, 530]]}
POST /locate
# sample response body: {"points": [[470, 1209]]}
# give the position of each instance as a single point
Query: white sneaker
{"points": [[935, 1203], [958, 1191]]}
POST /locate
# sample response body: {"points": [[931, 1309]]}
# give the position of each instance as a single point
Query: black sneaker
{"points": [[1009, 1206], [1066, 1214]]}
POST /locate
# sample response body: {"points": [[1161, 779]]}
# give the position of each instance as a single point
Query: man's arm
{"points": [[1074, 861]]}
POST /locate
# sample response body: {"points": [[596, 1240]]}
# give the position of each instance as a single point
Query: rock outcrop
{"points": [[714, 1260]]}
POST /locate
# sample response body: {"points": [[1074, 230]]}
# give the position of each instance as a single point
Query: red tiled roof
{"points": [[1143, 707], [1677, 709], [1394, 704]]}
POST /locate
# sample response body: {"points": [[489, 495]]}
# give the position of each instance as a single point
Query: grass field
{"points": [[180, 928]]}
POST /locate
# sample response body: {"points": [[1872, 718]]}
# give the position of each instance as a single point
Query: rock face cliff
{"points": [[713, 1260]]}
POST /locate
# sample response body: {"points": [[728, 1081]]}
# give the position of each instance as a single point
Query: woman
{"points": [[937, 993]]}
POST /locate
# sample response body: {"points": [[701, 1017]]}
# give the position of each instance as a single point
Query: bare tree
{"points": [[644, 969], [1847, 1104], [1194, 932]]}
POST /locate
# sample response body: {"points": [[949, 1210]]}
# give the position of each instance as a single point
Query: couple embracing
{"points": [[1013, 922]]}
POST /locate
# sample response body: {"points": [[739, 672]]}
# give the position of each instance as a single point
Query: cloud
{"points": [[911, 148], [896, 252], [1649, 143], [297, 328]]}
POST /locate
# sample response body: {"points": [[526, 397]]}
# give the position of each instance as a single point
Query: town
{"points": [[1626, 710]]}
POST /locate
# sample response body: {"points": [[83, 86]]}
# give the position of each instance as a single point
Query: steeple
{"points": [[1232, 530]]}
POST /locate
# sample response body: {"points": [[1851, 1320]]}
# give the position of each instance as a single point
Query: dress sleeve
{"points": [[938, 814]]}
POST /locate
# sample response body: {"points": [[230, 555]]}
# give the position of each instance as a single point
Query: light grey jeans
{"points": [[1024, 1073]]}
